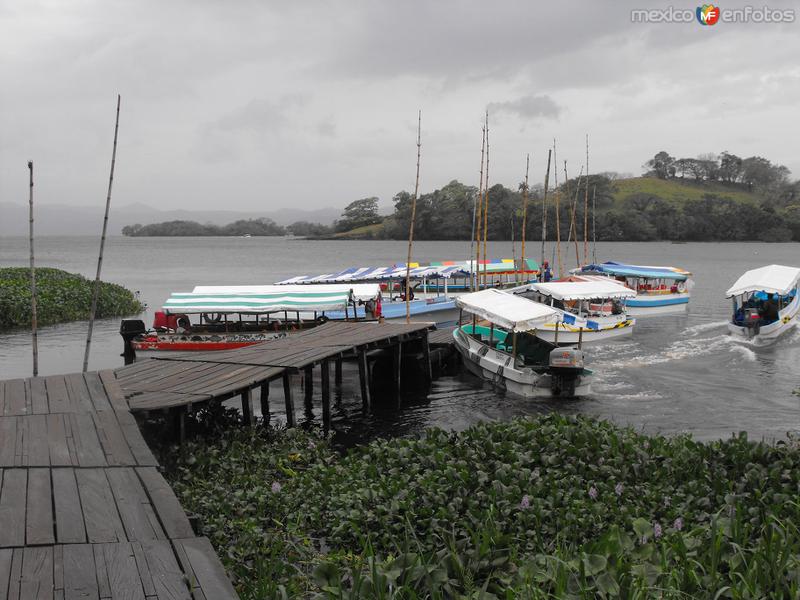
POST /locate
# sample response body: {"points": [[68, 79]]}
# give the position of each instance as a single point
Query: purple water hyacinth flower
{"points": [[525, 502], [657, 531], [618, 489], [276, 487], [678, 525], [593, 493]]}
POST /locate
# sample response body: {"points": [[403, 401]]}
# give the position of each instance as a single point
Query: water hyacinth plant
{"points": [[498, 511], [61, 297]]}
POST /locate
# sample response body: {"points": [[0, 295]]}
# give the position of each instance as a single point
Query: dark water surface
{"points": [[675, 374]]}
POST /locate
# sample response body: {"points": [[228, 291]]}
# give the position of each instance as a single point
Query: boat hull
{"points": [[497, 366], [175, 342], [442, 311], [768, 334], [650, 305], [568, 335]]}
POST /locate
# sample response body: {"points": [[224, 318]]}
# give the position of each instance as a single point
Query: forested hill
{"points": [[714, 198]]}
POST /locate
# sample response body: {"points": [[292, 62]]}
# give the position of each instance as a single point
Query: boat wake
{"points": [[702, 327], [684, 349]]}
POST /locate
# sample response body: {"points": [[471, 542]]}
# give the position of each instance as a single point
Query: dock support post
{"points": [[426, 356], [325, 372], [308, 386], [363, 376], [264, 399], [287, 392], [179, 422], [247, 407], [397, 363], [337, 374]]}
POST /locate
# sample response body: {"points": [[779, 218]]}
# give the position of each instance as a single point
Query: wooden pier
{"points": [[84, 512], [184, 381]]}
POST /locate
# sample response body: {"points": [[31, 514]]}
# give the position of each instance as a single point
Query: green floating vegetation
{"points": [[60, 297], [551, 507]]}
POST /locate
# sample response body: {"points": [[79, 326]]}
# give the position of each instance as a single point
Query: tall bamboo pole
{"points": [[544, 211], [594, 225], [486, 201], [476, 272], [586, 208], [96, 293], [34, 332], [524, 212], [413, 217], [558, 209], [573, 228], [513, 246]]}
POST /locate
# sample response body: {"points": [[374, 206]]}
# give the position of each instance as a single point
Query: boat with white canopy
{"points": [[228, 317], [434, 286], [765, 303], [502, 346], [598, 301], [659, 290]]}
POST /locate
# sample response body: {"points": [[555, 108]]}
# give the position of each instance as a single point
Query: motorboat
{"points": [[765, 303], [501, 345]]}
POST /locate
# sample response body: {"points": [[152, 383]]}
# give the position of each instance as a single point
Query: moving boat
{"points": [[659, 290], [598, 302], [504, 348], [229, 317], [765, 303], [434, 286]]}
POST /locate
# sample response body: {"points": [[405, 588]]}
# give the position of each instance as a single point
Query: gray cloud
{"points": [[528, 107]]}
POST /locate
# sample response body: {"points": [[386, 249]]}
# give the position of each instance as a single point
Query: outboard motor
{"points": [[129, 329], [566, 366]]}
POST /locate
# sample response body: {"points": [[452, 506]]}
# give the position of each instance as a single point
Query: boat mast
{"points": [[413, 217], [486, 199], [573, 224], [586, 208], [558, 208], [594, 224], [524, 216], [479, 204], [544, 209]]}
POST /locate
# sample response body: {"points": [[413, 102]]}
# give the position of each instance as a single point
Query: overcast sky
{"points": [[260, 105]]}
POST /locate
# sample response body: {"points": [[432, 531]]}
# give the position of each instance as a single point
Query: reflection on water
{"points": [[675, 373]]}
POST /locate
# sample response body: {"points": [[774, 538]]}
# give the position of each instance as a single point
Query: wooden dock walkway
{"points": [[168, 381], [84, 512], [441, 337]]}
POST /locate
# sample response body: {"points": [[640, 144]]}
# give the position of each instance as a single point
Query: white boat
{"points": [[508, 353], [659, 290], [765, 303], [598, 302]]}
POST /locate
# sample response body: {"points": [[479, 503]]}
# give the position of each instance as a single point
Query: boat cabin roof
{"points": [[263, 299], [774, 279], [511, 312], [644, 271], [584, 290], [360, 291]]}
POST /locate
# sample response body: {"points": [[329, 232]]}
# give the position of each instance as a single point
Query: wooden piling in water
{"points": [[264, 401], [426, 357], [363, 376], [397, 365], [34, 324], [287, 393], [337, 377], [325, 387], [247, 406]]}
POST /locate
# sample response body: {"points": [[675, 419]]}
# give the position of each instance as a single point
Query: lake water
{"points": [[674, 374]]}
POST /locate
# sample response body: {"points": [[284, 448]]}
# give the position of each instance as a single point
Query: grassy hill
{"points": [[677, 190]]}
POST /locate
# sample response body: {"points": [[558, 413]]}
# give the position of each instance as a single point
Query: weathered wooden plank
{"points": [[12, 507], [57, 441], [167, 578], [15, 400], [58, 570], [123, 576], [100, 513], [207, 568], [70, 528], [38, 392], [39, 514], [138, 447], [89, 452], [113, 390], [57, 396], [78, 394], [80, 579], [169, 511], [8, 440], [134, 507], [97, 392], [101, 572], [5, 571], [37, 573], [37, 448], [15, 578], [112, 439]]}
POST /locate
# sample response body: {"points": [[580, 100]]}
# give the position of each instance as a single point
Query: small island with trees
{"points": [[709, 198]]}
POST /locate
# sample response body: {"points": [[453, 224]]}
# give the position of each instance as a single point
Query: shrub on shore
{"points": [[535, 508], [61, 297]]}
